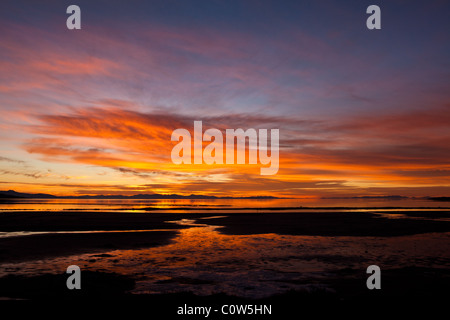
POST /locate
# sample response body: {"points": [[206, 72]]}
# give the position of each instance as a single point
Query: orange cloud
{"points": [[312, 156], [68, 101]]}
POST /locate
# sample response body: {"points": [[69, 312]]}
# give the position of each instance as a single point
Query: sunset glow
{"points": [[92, 111]]}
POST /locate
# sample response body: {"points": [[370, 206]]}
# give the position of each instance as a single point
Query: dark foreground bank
{"points": [[406, 284], [135, 226], [402, 285]]}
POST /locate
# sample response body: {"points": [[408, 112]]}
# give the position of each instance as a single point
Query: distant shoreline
{"points": [[11, 194]]}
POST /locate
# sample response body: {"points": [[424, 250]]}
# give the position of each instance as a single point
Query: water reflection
{"points": [[31, 233], [218, 205], [204, 261]]}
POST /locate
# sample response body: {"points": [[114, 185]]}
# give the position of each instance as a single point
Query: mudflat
{"points": [[50, 234], [106, 231]]}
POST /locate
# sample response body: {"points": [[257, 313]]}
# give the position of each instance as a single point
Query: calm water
{"points": [[219, 205], [205, 261]]}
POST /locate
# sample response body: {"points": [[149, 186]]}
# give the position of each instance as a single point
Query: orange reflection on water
{"points": [[204, 261], [206, 205]]}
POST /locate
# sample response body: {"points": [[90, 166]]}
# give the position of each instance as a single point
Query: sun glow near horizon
{"points": [[92, 111]]}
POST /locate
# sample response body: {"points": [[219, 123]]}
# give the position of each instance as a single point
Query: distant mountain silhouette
{"points": [[394, 197], [14, 194], [444, 199]]}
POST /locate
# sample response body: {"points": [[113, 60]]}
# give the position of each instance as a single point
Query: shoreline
{"points": [[255, 246], [327, 224], [429, 285]]}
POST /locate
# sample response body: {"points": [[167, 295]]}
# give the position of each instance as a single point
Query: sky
{"points": [[91, 111]]}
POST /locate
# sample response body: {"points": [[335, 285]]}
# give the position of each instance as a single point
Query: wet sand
{"points": [[339, 223], [242, 254], [39, 246], [430, 283], [80, 220], [363, 224], [33, 247]]}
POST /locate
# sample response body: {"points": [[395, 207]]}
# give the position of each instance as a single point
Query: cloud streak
{"points": [[356, 114], [138, 144]]}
